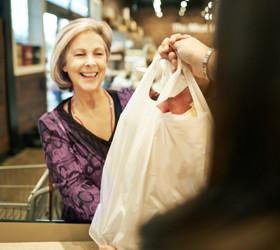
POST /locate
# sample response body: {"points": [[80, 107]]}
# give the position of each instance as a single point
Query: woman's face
{"points": [[86, 61]]}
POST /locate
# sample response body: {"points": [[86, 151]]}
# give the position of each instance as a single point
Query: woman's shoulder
{"points": [[51, 116], [48, 119]]}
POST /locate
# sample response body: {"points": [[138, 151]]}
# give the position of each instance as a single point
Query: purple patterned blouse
{"points": [[75, 158]]}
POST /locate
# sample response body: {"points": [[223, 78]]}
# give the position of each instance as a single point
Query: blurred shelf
{"points": [[29, 69]]}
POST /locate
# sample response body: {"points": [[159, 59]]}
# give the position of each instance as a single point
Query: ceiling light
{"points": [[184, 4]]}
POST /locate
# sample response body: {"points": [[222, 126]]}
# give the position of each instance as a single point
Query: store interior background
{"points": [[27, 33]]}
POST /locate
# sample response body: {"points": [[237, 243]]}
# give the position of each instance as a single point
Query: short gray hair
{"points": [[64, 38]]}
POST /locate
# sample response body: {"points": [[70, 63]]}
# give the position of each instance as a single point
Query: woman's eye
{"points": [[79, 54], [99, 53]]}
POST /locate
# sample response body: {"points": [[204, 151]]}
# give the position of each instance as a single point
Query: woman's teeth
{"points": [[89, 74]]}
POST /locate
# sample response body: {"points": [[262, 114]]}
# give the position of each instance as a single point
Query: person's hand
{"points": [[107, 247], [167, 50], [190, 50]]}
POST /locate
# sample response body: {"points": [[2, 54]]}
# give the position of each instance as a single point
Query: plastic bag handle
{"points": [[199, 101], [155, 68], [173, 87]]}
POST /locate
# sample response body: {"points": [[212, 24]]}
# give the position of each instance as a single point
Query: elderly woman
{"points": [[77, 134]]}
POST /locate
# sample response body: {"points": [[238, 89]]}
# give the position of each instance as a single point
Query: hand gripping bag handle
{"points": [[179, 80], [175, 84], [168, 80]]}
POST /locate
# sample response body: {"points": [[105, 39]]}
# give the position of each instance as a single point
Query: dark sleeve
{"points": [[79, 194]]}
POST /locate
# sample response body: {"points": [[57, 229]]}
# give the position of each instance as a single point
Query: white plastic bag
{"points": [[156, 160]]}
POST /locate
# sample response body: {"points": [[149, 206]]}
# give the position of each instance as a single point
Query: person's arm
{"points": [[79, 194]]}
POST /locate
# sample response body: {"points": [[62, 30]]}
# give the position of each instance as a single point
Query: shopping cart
{"points": [[27, 194]]}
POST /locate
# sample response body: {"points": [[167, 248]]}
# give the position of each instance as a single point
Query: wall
{"points": [[4, 133], [159, 28], [31, 100]]}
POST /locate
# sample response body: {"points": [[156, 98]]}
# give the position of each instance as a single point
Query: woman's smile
{"points": [[89, 75]]}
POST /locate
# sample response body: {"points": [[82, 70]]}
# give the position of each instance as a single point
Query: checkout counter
{"points": [[45, 236]]}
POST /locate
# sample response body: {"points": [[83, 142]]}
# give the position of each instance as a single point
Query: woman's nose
{"points": [[90, 61]]}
